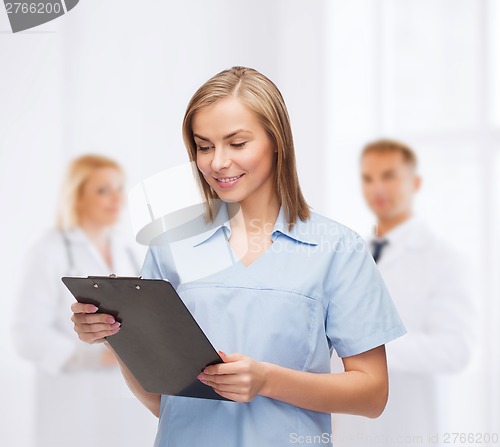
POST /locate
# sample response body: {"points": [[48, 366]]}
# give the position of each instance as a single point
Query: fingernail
{"points": [[201, 378], [116, 324], [110, 320], [93, 308]]}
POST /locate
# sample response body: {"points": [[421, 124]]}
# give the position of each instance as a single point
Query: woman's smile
{"points": [[228, 182]]}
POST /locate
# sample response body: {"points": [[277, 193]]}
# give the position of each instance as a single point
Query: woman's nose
{"points": [[220, 159], [118, 197]]}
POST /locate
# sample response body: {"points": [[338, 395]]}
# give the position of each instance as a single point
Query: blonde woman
{"points": [[79, 388], [300, 286]]}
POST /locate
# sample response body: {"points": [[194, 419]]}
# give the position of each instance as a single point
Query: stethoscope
{"points": [[71, 259]]}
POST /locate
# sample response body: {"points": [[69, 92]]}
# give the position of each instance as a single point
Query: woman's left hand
{"points": [[239, 378]]}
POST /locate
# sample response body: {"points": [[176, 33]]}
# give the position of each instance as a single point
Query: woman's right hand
{"points": [[91, 327]]}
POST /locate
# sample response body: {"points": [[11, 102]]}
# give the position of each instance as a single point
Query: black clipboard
{"points": [[159, 340]]}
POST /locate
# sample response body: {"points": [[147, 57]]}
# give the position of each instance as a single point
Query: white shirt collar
{"points": [[411, 233]]}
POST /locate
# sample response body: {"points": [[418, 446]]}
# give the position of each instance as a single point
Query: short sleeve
{"points": [[151, 268], [360, 314]]}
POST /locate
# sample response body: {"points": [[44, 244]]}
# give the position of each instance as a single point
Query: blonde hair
{"points": [[386, 145], [261, 96], [77, 175]]}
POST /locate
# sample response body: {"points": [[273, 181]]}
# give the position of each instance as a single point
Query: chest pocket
{"points": [[269, 325]]}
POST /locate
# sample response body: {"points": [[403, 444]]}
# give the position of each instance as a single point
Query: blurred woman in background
{"points": [[78, 384]]}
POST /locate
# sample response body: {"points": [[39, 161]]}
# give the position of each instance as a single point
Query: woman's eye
{"points": [[203, 148], [239, 145]]}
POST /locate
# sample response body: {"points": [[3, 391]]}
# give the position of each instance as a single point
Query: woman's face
{"points": [[102, 197], [234, 152]]}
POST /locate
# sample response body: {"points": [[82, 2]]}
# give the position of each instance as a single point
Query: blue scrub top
{"points": [[315, 289]]}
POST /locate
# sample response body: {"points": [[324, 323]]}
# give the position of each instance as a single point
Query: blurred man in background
{"points": [[428, 284]]}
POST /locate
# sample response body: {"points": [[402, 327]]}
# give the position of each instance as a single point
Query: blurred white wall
{"points": [[115, 76], [129, 72], [31, 160]]}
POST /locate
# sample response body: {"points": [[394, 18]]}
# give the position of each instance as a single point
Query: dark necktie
{"points": [[377, 247]]}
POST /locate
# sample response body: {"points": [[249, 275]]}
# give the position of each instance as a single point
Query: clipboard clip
{"points": [[115, 276], [137, 286]]}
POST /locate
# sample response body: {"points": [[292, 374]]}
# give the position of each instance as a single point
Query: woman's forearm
{"points": [[350, 392], [359, 392], [150, 400]]}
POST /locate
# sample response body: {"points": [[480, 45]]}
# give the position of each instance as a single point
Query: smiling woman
{"points": [[299, 286]]}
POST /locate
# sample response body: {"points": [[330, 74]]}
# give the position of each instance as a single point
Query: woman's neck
{"points": [[255, 216], [98, 234]]}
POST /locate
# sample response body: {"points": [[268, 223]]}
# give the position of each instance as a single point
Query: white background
{"points": [[115, 76]]}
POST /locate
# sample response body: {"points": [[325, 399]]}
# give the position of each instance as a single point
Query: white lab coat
{"points": [[78, 402], [428, 282]]}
